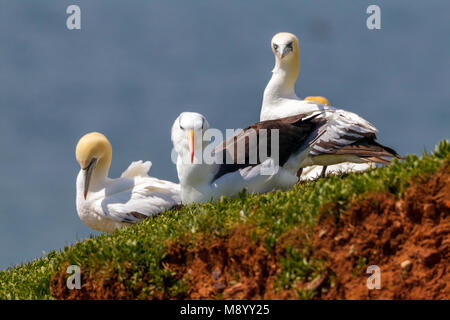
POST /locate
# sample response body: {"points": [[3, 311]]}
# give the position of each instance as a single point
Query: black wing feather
{"points": [[295, 133]]}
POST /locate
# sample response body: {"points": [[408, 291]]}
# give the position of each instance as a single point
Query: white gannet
{"points": [[106, 204], [203, 181], [348, 137]]}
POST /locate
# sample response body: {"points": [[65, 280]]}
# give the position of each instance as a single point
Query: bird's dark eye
{"points": [[289, 45], [275, 47]]}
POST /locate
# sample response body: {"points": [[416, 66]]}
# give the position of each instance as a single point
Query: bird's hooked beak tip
{"points": [[191, 144]]}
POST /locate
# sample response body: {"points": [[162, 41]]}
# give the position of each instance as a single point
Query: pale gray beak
{"points": [[88, 174], [285, 50]]}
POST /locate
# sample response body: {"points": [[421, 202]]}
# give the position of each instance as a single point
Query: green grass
{"points": [[138, 250]]}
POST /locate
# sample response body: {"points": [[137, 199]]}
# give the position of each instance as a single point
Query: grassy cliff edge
{"points": [[259, 246]]}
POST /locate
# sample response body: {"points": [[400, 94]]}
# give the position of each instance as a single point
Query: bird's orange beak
{"points": [[191, 144]]}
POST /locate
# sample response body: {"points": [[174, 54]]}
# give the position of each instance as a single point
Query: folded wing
{"points": [[295, 133]]}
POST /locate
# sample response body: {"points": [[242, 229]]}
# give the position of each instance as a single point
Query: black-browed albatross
{"points": [[234, 168]]}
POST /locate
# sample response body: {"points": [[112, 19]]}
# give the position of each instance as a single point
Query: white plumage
{"points": [[315, 172], [106, 204], [280, 100]]}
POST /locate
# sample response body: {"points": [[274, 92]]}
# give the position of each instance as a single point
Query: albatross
{"points": [[348, 137], [106, 204], [233, 169]]}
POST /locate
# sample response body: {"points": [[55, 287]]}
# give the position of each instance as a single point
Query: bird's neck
{"points": [[195, 174], [195, 178], [282, 83], [195, 182]]}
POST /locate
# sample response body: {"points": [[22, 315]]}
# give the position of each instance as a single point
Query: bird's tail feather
{"points": [[370, 150]]}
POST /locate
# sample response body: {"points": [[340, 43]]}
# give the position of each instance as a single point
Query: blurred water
{"points": [[136, 65]]}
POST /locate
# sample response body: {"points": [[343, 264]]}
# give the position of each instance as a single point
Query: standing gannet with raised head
{"points": [[348, 137], [203, 181], [106, 204]]}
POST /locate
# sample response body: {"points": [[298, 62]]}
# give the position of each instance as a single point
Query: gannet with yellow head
{"points": [[348, 138], [106, 204]]}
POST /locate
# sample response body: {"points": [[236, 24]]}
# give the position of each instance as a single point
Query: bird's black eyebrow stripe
{"points": [[179, 122]]}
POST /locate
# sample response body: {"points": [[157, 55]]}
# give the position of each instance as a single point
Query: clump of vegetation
{"points": [[136, 254]]}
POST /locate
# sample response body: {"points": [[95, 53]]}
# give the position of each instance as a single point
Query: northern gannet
{"points": [[348, 138], [106, 204], [202, 181]]}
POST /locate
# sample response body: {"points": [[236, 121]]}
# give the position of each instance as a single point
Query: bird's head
{"points": [[93, 150], [285, 46], [187, 133]]}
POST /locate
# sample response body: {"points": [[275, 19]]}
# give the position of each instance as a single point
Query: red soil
{"points": [[234, 267], [94, 286], [388, 232], [377, 229]]}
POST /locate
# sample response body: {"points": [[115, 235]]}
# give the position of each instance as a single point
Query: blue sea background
{"points": [[135, 65]]}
